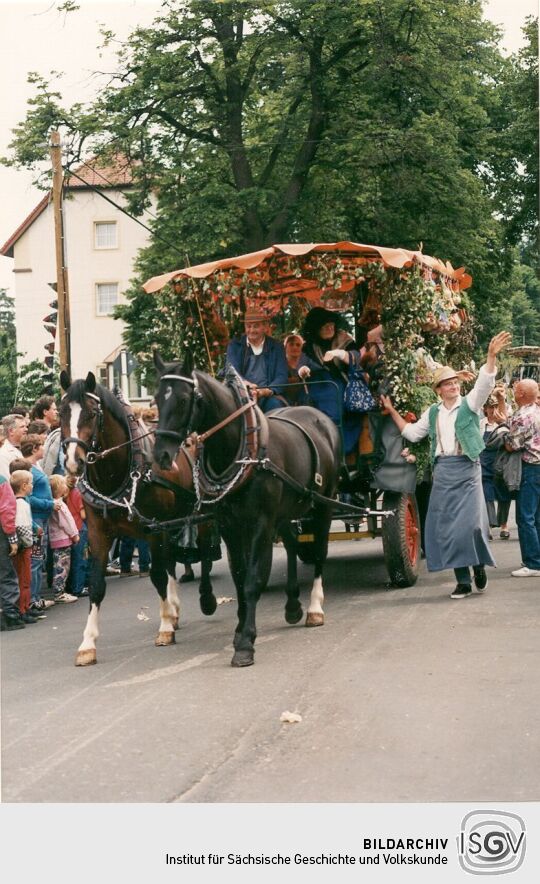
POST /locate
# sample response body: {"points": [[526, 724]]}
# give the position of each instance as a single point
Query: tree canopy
{"points": [[398, 123]]}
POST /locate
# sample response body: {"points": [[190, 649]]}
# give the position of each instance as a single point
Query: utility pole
{"points": [[62, 289]]}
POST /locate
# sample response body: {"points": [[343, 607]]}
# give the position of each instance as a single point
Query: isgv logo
{"points": [[491, 842]]}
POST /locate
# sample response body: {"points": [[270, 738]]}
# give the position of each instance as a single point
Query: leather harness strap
{"points": [[315, 459]]}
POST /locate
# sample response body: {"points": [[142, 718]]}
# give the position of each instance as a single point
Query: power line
{"points": [[125, 211]]}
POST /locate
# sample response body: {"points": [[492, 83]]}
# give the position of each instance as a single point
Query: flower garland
{"points": [[417, 311]]}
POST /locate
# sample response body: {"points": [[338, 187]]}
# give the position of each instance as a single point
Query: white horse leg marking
{"points": [[317, 597], [169, 608], [75, 413], [172, 596], [91, 631]]}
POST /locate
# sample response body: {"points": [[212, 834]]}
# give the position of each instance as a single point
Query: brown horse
{"points": [[99, 442], [255, 489]]}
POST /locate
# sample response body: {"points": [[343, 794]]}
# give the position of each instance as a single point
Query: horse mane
{"points": [[78, 391]]}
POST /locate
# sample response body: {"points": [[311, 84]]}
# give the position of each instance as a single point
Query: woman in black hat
{"points": [[327, 350]]}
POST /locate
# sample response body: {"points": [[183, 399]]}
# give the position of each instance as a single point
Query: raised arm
{"points": [[497, 343]]}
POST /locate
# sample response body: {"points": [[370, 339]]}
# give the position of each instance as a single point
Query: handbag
{"points": [[357, 397]]}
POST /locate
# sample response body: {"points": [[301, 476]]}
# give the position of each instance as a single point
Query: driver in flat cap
{"points": [[260, 360]]}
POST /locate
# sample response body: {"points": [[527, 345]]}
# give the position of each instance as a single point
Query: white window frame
{"points": [[102, 372], [101, 248], [96, 289]]}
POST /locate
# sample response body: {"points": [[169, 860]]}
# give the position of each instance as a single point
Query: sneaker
{"points": [[480, 578], [83, 594], [127, 573], [526, 572], [65, 597], [144, 573], [504, 535], [38, 615], [461, 591], [28, 618], [8, 623], [42, 605]]}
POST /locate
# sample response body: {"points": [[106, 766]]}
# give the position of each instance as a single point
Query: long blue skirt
{"points": [[328, 398], [457, 529]]}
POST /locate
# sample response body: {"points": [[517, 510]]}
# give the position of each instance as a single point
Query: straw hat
{"points": [[445, 373]]}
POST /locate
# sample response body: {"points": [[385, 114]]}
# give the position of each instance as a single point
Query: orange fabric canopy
{"points": [[397, 258]]}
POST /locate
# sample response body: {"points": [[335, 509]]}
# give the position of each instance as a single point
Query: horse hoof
{"points": [[208, 605], [314, 619], [86, 658], [294, 616], [165, 638], [243, 658]]}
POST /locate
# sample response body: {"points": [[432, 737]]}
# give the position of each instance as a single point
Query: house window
{"points": [[106, 297], [105, 235], [103, 375]]}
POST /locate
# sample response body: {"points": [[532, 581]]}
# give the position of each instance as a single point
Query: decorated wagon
{"points": [[418, 304]]}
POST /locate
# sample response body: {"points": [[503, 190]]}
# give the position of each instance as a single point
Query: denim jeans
{"points": [[127, 547], [528, 515], [9, 585]]}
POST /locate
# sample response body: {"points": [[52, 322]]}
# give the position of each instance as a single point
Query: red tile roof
{"points": [[94, 173], [99, 173], [7, 248]]}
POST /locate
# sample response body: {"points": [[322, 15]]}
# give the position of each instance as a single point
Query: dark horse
{"points": [[94, 422], [291, 467]]}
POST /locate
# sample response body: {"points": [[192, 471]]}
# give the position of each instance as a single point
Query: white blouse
{"points": [[447, 416]]}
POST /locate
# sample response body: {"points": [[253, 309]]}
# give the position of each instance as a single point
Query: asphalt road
{"points": [[405, 695]]}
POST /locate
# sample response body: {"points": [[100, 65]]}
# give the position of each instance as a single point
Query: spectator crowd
{"points": [[44, 552]]}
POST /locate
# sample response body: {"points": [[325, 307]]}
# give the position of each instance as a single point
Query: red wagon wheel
{"points": [[401, 538]]}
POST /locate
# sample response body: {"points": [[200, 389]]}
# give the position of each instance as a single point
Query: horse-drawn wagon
{"points": [[418, 301], [218, 456]]}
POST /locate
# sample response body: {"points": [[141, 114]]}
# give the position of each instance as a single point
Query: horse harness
{"points": [[139, 461], [211, 488]]}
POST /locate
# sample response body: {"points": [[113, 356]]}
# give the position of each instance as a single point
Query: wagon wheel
{"points": [[401, 538]]}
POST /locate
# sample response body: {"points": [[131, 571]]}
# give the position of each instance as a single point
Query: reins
{"points": [[93, 456], [258, 462], [227, 420]]}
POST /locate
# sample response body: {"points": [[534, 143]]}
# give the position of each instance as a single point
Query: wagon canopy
{"points": [[291, 269]]}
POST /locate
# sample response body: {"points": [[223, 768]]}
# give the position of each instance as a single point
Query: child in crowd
{"points": [[42, 504], [79, 551], [63, 535], [21, 483]]}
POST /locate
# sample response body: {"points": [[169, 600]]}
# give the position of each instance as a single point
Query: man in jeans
{"points": [[524, 435]]}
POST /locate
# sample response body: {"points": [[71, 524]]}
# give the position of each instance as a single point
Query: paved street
{"points": [[404, 695]]}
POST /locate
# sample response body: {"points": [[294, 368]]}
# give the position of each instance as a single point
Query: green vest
{"points": [[467, 428]]}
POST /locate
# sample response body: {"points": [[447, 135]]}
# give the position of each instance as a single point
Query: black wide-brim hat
{"points": [[316, 318]]}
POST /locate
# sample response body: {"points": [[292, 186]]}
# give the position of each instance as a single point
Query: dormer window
{"points": [[105, 235]]}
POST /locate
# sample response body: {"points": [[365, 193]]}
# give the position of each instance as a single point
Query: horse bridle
{"points": [[195, 399], [87, 446]]}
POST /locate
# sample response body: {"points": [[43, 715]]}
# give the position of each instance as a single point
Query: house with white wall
{"points": [[101, 244]]}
